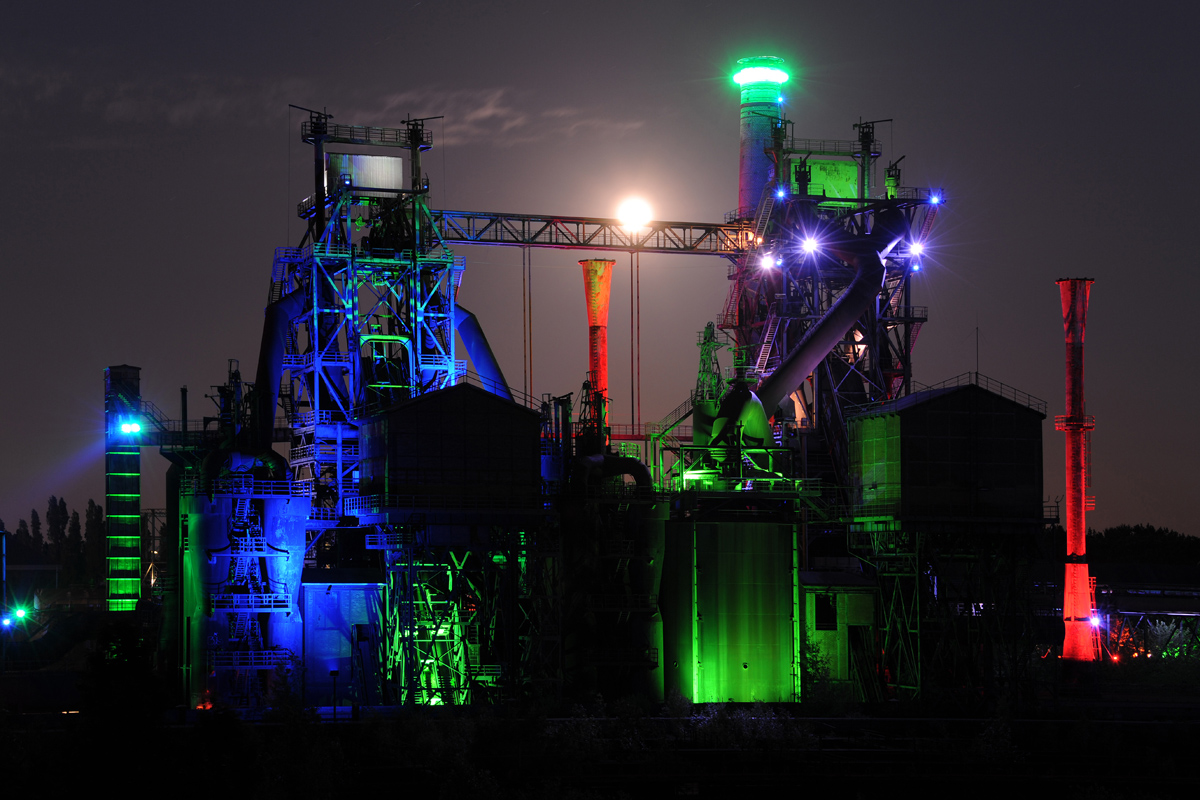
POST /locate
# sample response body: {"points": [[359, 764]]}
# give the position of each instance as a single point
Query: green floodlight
{"points": [[20, 612], [760, 69]]}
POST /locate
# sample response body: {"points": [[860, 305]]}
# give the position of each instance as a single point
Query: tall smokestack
{"points": [[597, 285], [760, 79], [1077, 593]]}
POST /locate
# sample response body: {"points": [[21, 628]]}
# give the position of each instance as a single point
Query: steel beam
{"points": [[590, 233]]}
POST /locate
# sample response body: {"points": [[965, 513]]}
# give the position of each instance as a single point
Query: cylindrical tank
{"points": [[729, 608], [760, 79]]}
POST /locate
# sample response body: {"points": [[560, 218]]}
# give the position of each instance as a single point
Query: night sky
{"points": [[153, 166]]}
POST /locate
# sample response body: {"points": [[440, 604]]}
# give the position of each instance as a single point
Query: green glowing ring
{"points": [[759, 75]]}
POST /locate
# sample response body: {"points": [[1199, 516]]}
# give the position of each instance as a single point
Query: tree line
{"points": [[1142, 544], [77, 544]]}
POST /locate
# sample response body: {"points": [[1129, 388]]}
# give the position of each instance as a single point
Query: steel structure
{"points": [[122, 485], [728, 239], [601, 573], [1081, 640]]}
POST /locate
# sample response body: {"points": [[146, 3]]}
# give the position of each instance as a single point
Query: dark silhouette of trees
{"points": [[73, 563], [38, 546], [1142, 544], [20, 550], [56, 529], [94, 544]]}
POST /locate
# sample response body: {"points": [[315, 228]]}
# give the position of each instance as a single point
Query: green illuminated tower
{"points": [[760, 79], [122, 484]]}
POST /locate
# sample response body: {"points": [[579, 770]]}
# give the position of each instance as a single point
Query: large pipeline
{"points": [[480, 352], [866, 255], [748, 411], [271, 350]]}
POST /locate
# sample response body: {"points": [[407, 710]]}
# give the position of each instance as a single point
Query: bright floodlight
{"points": [[1095, 622], [20, 613], [916, 248], [780, 193], [767, 261], [759, 75], [935, 199], [810, 245], [131, 427], [634, 213]]}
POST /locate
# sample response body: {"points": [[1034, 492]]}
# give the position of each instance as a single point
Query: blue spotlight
{"points": [[780, 193], [916, 267], [810, 245], [934, 199]]}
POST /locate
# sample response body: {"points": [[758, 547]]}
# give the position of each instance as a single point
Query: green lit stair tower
{"points": [[122, 485]]}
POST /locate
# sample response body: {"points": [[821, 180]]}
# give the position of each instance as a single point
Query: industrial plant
{"points": [[378, 517]]}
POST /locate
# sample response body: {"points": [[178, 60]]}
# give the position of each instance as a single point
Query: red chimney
{"points": [[1077, 592]]}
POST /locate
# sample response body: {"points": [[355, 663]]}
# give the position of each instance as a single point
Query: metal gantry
{"points": [[377, 295]]}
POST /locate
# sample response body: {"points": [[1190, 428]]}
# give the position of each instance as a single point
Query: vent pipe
{"points": [[1077, 591], [597, 286]]}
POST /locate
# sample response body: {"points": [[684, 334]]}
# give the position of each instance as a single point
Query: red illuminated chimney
{"points": [[597, 284], [1077, 592]]}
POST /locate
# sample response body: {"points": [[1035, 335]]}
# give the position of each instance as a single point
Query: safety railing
{"points": [[252, 602]]}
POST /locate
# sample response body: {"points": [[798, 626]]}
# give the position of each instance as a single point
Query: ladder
{"points": [[768, 339]]}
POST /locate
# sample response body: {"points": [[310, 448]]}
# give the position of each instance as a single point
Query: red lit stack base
{"points": [[1077, 597], [597, 285]]}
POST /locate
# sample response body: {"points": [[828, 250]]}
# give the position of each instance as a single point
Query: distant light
{"points": [[7, 622], [634, 213], [759, 75], [780, 193], [810, 245], [916, 248], [935, 199], [779, 99], [916, 267], [779, 261]]}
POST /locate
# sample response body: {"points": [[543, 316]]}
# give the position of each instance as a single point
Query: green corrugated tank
{"points": [[729, 611]]}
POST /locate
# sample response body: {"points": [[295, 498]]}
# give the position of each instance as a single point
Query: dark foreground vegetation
{"points": [[1101, 738]]}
